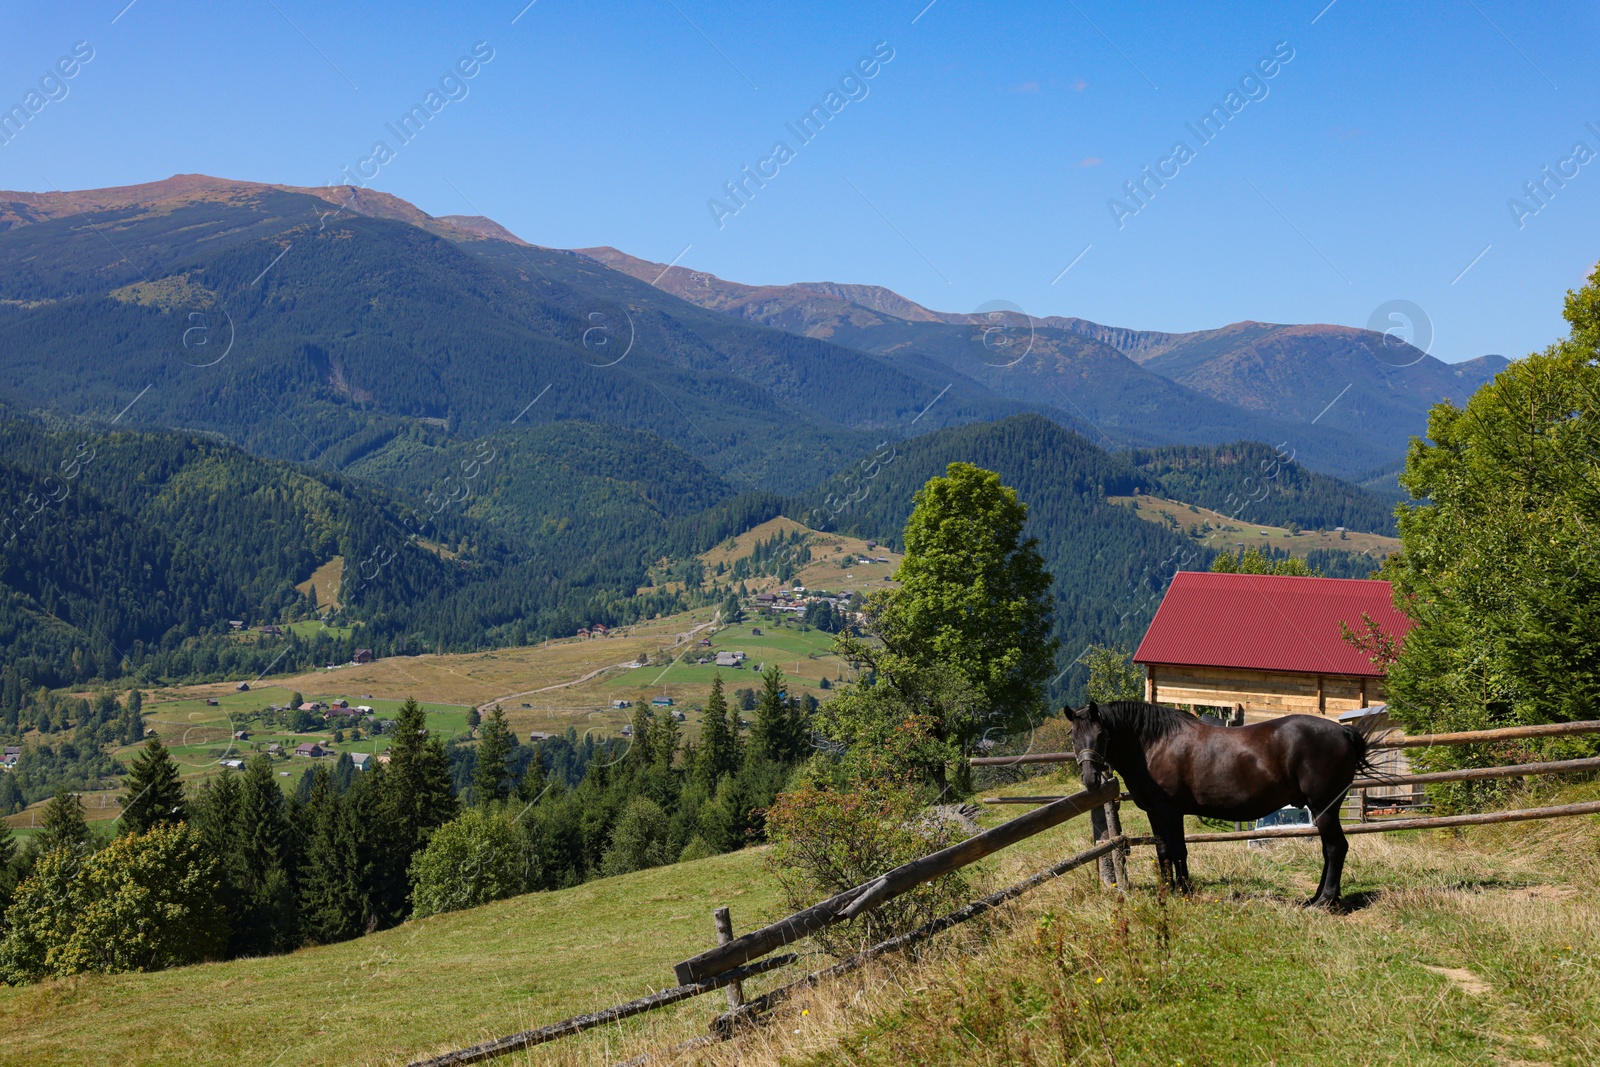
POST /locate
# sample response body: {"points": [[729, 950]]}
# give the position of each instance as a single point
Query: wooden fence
{"points": [[727, 964]]}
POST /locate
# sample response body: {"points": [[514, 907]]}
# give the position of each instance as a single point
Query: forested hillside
{"points": [[1254, 482], [128, 553]]}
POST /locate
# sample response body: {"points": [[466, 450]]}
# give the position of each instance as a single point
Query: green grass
{"points": [[429, 984], [776, 645], [312, 627], [1236, 974], [199, 735]]}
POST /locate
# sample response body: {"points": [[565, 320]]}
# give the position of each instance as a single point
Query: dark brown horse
{"points": [[1175, 765]]}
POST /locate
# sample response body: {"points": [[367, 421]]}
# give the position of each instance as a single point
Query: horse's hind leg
{"points": [[1334, 847]]}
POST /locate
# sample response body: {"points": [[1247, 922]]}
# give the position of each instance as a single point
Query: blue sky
{"points": [[978, 164]]}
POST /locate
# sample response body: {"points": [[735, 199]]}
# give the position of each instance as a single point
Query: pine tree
{"points": [[263, 838], [640, 752], [8, 873], [152, 792], [330, 898], [491, 779], [719, 743], [133, 718], [64, 824], [10, 699], [416, 800], [780, 732]]}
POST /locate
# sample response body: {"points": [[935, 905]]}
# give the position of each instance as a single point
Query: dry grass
{"points": [[824, 571], [1475, 947], [325, 580], [1229, 533]]}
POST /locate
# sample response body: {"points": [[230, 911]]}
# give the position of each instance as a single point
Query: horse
{"points": [[1175, 765]]}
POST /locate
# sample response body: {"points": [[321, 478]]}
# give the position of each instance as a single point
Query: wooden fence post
{"points": [[1100, 829], [724, 924], [1119, 858]]}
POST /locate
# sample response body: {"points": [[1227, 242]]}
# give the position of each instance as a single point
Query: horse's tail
{"points": [[1361, 734]]}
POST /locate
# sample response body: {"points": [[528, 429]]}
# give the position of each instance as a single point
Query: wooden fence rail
{"points": [[1389, 826], [1478, 737], [1466, 774], [728, 1021], [579, 1023], [1474, 774], [853, 902], [1469, 737]]}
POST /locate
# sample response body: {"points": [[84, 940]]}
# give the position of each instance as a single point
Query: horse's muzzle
{"points": [[1092, 768]]}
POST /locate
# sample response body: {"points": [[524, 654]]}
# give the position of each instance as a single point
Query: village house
{"points": [[535, 736], [242, 687], [362, 760], [309, 748], [274, 749], [1269, 644], [661, 702], [9, 756], [363, 655]]}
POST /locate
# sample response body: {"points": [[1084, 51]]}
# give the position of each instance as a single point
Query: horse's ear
{"points": [[1092, 712], [1067, 712]]}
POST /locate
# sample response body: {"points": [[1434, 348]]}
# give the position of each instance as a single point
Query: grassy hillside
{"points": [[1482, 946], [1218, 531], [1251, 482]]}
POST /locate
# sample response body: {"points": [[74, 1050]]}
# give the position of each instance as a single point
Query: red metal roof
{"points": [[1267, 622]]}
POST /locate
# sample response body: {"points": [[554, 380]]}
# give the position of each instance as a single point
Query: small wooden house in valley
{"points": [[1271, 643]]}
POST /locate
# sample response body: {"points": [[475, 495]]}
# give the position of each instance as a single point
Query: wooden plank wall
{"points": [[1262, 692]]}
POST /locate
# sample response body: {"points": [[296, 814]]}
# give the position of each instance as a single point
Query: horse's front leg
{"points": [[1334, 848], [1171, 850]]}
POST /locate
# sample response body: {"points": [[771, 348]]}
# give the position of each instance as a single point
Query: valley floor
{"points": [[1479, 947]]}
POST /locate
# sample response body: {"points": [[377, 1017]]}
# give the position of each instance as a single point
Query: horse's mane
{"points": [[1148, 722]]}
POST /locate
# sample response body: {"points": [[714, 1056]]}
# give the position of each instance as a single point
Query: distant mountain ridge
{"points": [[1329, 392], [1360, 381]]}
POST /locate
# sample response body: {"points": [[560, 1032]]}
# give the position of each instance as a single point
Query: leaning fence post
{"points": [[1119, 857], [1101, 832], [724, 924]]}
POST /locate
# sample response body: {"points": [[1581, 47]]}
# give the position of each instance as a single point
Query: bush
{"points": [[639, 839], [144, 903], [469, 861], [147, 902], [696, 849], [826, 841]]}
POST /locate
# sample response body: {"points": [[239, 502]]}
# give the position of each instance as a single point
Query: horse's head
{"points": [[1089, 741]]}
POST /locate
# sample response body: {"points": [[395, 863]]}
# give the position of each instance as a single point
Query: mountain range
{"points": [[1249, 379], [499, 442]]}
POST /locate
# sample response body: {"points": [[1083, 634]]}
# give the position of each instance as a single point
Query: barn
{"points": [[1269, 643]]}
